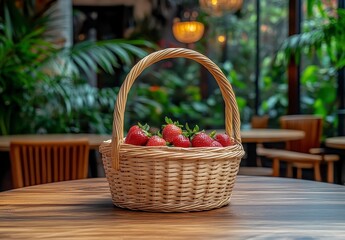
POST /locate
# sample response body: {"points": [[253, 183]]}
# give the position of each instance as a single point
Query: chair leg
{"points": [[258, 162], [258, 158], [289, 170], [317, 174], [330, 172], [299, 173], [276, 167]]}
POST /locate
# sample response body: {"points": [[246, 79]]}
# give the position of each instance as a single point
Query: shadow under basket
{"points": [[172, 179]]}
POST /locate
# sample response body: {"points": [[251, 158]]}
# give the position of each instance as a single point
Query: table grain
{"points": [[260, 208]]}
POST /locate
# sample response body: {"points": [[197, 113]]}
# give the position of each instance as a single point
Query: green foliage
{"points": [[107, 54], [172, 89], [321, 50], [319, 96], [40, 81], [323, 36], [319, 37], [63, 106], [237, 57]]}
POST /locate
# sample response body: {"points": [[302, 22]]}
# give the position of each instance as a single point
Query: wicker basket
{"points": [[171, 179]]}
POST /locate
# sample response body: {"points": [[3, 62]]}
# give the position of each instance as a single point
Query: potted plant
{"points": [[37, 74]]}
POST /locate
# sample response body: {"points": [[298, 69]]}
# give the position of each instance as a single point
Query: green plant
{"points": [[172, 89], [324, 34], [41, 83], [237, 55], [321, 52]]}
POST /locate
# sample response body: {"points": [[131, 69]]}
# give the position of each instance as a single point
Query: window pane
{"points": [[273, 79]]}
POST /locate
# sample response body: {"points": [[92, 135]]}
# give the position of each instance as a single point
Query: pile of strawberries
{"points": [[172, 134]]}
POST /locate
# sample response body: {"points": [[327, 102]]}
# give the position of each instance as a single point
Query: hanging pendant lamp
{"points": [[218, 7], [188, 31]]}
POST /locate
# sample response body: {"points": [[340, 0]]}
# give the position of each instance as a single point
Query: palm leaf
{"points": [[331, 35]]}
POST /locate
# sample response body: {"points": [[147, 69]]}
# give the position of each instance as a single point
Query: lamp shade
{"points": [[218, 7], [188, 32]]}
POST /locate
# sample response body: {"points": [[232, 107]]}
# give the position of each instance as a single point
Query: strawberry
{"points": [[133, 129], [201, 139], [156, 141], [171, 130], [216, 144], [223, 139], [138, 135], [181, 141]]}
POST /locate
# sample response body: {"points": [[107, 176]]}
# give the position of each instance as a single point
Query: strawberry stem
{"points": [[212, 134], [170, 121]]}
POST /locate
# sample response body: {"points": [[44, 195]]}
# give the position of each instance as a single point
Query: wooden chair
{"points": [[259, 121], [34, 162], [305, 153]]}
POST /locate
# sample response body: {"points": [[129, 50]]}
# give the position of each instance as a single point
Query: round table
{"points": [[270, 135], [253, 136], [259, 135], [336, 142], [260, 208], [94, 139], [264, 135]]}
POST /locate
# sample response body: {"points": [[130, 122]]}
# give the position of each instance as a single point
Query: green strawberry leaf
{"points": [[212, 134]]}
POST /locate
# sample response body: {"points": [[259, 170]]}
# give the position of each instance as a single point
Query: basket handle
{"points": [[232, 118]]}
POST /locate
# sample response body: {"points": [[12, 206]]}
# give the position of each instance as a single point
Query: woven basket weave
{"points": [[172, 179]]}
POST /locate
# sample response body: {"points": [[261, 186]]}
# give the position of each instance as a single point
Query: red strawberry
{"points": [[138, 135], [202, 140], [216, 144], [171, 130], [156, 141], [223, 139], [133, 128], [181, 141]]}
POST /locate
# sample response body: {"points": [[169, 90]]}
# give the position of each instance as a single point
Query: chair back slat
{"points": [[49, 164], [74, 165], [67, 171], [43, 171], [259, 121], [34, 162], [31, 165], [85, 155], [312, 127], [26, 166], [36, 154], [61, 158]]}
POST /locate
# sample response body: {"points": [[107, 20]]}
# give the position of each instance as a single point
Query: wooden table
{"points": [[253, 136], [94, 139], [270, 135], [260, 208], [338, 143]]}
